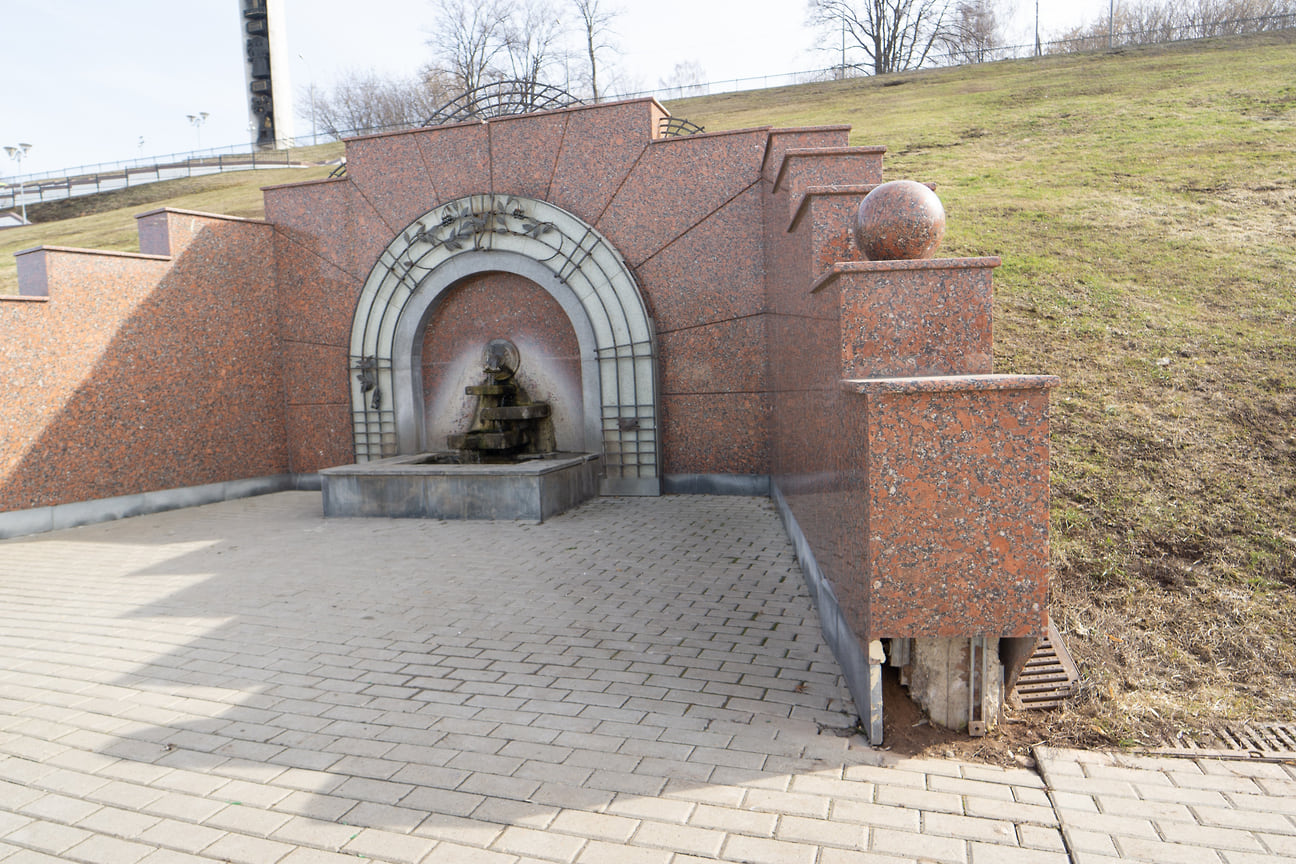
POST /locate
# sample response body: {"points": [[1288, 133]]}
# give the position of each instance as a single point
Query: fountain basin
{"points": [[437, 486]]}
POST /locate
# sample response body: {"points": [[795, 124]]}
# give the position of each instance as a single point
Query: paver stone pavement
{"points": [[638, 680]]}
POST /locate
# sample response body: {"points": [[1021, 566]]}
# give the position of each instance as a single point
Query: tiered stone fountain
{"points": [[506, 423], [503, 467]]}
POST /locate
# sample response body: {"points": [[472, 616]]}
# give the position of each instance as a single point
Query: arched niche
{"points": [[477, 309], [554, 249]]}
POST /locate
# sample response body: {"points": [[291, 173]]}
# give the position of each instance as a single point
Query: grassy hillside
{"points": [[107, 221], [1144, 205]]}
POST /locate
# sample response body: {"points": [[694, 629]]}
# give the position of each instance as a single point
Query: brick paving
{"points": [[639, 680]]}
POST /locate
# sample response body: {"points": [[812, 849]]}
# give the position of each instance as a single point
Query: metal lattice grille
{"points": [[675, 127], [502, 99], [373, 420], [630, 424]]}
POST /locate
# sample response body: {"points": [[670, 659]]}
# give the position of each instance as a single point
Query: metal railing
{"points": [[1095, 42], [104, 177]]}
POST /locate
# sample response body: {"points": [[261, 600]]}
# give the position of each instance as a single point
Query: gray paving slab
{"points": [[635, 680], [1144, 808]]}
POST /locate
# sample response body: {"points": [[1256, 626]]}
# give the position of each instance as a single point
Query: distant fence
{"points": [[1093, 42], [1099, 39]]}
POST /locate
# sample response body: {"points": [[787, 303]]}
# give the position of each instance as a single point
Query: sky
{"points": [[97, 81]]}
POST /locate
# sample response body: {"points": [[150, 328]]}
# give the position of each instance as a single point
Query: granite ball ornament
{"points": [[899, 220]]}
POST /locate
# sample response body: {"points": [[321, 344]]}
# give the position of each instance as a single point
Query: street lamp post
{"points": [[17, 154], [198, 120]]}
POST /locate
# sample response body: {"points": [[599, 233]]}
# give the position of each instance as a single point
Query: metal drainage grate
{"points": [[1048, 678], [1261, 740]]}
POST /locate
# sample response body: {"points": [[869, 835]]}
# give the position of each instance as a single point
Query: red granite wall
{"points": [[221, 351], [819, 433], [956, 489], [132, 373], [686, 213], [919, 480], [316, 287]]}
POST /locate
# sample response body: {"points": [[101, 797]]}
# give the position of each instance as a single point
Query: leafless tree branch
{"points": [[894, 34], [596, 28], [468, 38], [364, 101]]}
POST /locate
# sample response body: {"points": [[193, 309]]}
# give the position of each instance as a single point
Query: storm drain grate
{"points": [[1259, 740], [1049, 676]]}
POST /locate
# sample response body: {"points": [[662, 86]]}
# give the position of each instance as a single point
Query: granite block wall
{"points": [[860, 394], [686, 213], [140, 372], [956, 488], [315, 295], [919, 480], [917, 318], [818, 432]]}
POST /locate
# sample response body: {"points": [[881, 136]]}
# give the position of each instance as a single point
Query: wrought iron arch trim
{"points": [[558, 251], [502, 99]]}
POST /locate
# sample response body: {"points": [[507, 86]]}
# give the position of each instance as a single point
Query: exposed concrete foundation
{"points": [[958, 682]]}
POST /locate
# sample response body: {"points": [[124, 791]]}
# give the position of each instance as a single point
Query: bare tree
{"points": [[533, 42], [596, 24], [894, 34], [688, 78], [1235, 17], [364, 101], [973, 33], [468, 38], [476, 42]]}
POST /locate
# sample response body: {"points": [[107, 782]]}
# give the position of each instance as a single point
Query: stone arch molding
{"points": [[559, 252]]}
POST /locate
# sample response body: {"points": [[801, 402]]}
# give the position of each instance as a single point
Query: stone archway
{"points": [[559, 252]]}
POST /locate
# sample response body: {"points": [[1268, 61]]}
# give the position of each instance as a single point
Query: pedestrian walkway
{"points": [[638, 680]]}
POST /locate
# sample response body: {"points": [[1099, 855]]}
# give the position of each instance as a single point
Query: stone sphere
{"points": [[899, 220]]}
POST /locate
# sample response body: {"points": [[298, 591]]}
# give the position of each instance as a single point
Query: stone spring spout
{"points": [[507, 425]]}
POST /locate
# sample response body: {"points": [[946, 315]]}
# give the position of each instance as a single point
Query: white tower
{"points": [[265, 59]]}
